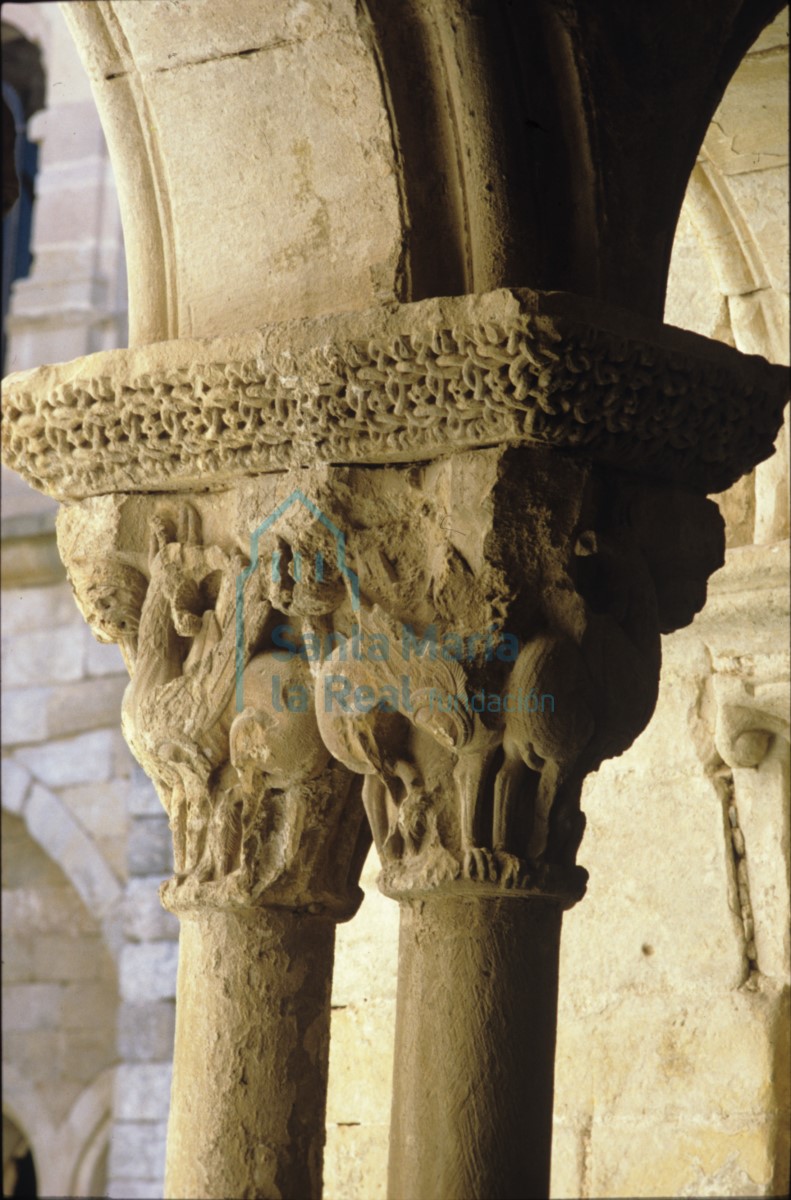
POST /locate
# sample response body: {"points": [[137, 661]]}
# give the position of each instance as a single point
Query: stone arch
{"points": [[66, 1158], [55, 830], [60, 998], [727, 218], [19, 1166]]}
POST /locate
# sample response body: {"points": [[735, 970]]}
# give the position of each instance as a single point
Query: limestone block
{"points": [[113, 851], [657, 1159], [693, 300], [46, 910], [18, 958], [749, 131], [355, 1162], [148, 971], [135, 1189], [150, 847], [137, 1150], [141, 797], [24, 715], [366, 949], [70, 133], [30, 560], [66, 213], [44, 656], [224, 33], [30, 609], [53, 826], [102, 659], [88, 1004], [86, 758], [59, 957], [708, 1058], [318, 261], [145, 920], [676, 710], [29, 1006], [84, 1054], [146, 1031], [99, 807], [142, 1091], [15, 785], [360, 1075], [35, 1053], [671, 923], [88, 704], [567, 1161], [762, 803]]}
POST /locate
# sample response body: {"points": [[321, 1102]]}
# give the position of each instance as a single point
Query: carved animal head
{"points": [[110, 597]]}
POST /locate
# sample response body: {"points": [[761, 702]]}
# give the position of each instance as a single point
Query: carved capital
{"points": [[450, 648]]}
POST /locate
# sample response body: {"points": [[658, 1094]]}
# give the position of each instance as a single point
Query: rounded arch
{"points": [[67, 1156], [19, 1168], [52, 826]]}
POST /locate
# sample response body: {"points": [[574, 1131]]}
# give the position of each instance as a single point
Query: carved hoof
{"points": [[510, 869], [478, 864]]}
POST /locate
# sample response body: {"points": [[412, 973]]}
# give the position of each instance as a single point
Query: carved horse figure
{"points": [[379, 740], [604, 690]]}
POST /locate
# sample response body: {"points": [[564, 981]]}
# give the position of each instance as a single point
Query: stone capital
{"points": [[450, 647]]}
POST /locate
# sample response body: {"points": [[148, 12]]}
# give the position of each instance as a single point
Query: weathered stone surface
{"points": [[388, 374], [86, 758], [24, 715], [88, 704], [29, 609], [138, 1150], [99, 807], [277, 965], [142, 1091], [66, 959], [29, 1006], [148, 971], [353, 1161], [146, 1031], [683, 1161], [149, 848], [636, 921], [145, 920], [361, 1083], [15, 785], [44, 656]]}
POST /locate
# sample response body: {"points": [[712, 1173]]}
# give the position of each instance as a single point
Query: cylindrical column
{"points": [[252, 1047], [474, 1050]]}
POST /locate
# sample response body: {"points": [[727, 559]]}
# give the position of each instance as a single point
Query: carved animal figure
{"points": [[379, 742], [604, 692], [179, 713]]}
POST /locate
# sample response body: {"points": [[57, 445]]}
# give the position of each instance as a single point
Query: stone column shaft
{"points": [[249, 1090], [475, 1048]]}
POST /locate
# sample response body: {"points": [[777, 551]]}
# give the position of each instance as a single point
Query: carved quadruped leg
{"points": [[401, 625]]}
